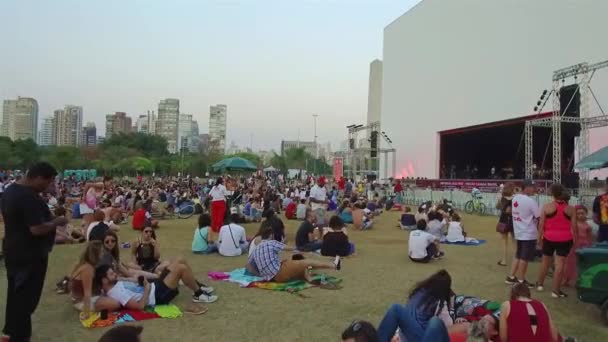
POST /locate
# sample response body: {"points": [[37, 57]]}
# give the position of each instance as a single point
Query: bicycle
{"points": [[475, 206]]}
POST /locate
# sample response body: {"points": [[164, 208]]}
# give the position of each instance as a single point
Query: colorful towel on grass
{"points": [[470, 243], [245, 279], [123, 316]]}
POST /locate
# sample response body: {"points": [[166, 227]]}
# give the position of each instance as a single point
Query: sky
{"points": [[275, 63]]}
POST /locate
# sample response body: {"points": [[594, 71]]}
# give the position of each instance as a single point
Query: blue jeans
{"points": [[402, 317]]}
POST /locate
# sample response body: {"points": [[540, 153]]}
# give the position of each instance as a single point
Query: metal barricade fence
{"points": [[415, 197]]}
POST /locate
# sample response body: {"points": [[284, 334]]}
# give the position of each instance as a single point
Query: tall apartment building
{"points": [[167, 122], [20, 118], [217, 127], [89, 134], [45, 135], [146, 123], [184, 131], [68, 126], [117, 123]]}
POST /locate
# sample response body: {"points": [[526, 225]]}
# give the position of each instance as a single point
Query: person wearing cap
{"points": [[600, 215], [318, 200], [525, 213]]}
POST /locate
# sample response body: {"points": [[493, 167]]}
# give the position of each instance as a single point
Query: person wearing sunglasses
{"points": [[111, 256], [146, 252]]}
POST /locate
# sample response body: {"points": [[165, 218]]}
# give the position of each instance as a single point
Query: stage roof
{"points": [[506, 122]]}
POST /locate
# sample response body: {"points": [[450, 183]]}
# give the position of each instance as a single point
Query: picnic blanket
{"points": [[123, 316], [463, 243], [245, 279]]}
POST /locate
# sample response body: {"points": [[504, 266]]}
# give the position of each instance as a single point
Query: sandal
{"points": [[500, 263], [195, 309]]}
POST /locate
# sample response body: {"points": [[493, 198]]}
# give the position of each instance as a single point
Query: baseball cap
{"points": [[529, 182]]}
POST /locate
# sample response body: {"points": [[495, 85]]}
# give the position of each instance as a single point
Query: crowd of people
{"points": [[38, 207]]}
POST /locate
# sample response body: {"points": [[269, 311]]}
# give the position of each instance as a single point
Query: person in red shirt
{"points": [[142, 218], [290, 210]]}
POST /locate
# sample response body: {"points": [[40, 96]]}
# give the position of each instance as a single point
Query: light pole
{"points": [[315, 116]]}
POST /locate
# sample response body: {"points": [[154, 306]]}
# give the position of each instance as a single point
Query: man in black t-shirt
{"points": [[305, 239], [29, 238]]}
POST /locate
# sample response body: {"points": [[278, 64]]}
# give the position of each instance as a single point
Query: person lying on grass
{"points": [[265, 261], [161, 291]]}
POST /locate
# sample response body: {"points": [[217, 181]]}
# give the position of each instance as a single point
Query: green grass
{"points": [[379, 275]]}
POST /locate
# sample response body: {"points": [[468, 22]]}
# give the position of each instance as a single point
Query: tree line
{"points": [[138, 153]]}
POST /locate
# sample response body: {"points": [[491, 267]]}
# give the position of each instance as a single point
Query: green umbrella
{"points": [[233, 164], [594, 161]]}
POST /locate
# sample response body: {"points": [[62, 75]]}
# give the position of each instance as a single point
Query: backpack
{"points": [[99, 231]]}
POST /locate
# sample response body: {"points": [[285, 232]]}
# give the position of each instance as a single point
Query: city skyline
{"points": [[256, 57]]}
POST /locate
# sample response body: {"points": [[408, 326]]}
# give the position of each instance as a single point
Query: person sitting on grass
{"points": [[265, 261], [525, 319], [264, 233], [360, 331], [335, 239], [423, 246], [256, 210], [290, 210], [146, 253], [161, 291], [231, 239], [111, 256], [361, 221], [301, 210], [200, 241], [345, 212], [305, 236], [81, 282], [67, 234], [98, 228], [418, 319], [142, 218], [408, 220], [456, 231], [436, 225]]}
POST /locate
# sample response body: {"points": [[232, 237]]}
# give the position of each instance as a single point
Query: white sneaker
{"points": [[206, 288], [204, 298]]}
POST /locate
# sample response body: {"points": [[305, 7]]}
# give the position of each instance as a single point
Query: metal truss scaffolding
{"points": [[359, 157], [582, 73]]}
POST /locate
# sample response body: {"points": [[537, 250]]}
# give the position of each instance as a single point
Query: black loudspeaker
{"points": [[374, 144], [570, 95], [351, 144]]}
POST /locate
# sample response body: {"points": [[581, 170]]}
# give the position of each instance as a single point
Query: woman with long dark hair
{"points": [[218, 206], [504, 227], [417, 319]]}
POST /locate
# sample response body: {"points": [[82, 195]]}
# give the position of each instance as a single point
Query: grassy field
{"points": [[379, 275]]}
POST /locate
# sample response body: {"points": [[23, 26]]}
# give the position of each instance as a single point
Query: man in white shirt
{"points": [[133, 296], [525, 214], [422, 245], [318, 200], [232, 239]]}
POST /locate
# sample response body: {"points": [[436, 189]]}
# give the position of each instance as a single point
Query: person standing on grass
{"points": [[218, 206], [557, 235], [318, 200], [525, 214], [29, 236], [600, 215], [504, 227]]}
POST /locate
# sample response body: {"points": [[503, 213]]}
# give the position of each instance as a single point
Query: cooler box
{"points": [[592, 283]]}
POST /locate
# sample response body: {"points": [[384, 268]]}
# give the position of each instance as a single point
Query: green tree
{"points": [[279, 162]]}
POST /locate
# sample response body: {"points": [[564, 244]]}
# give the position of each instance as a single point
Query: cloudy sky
{"points": [[273, 62]]}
